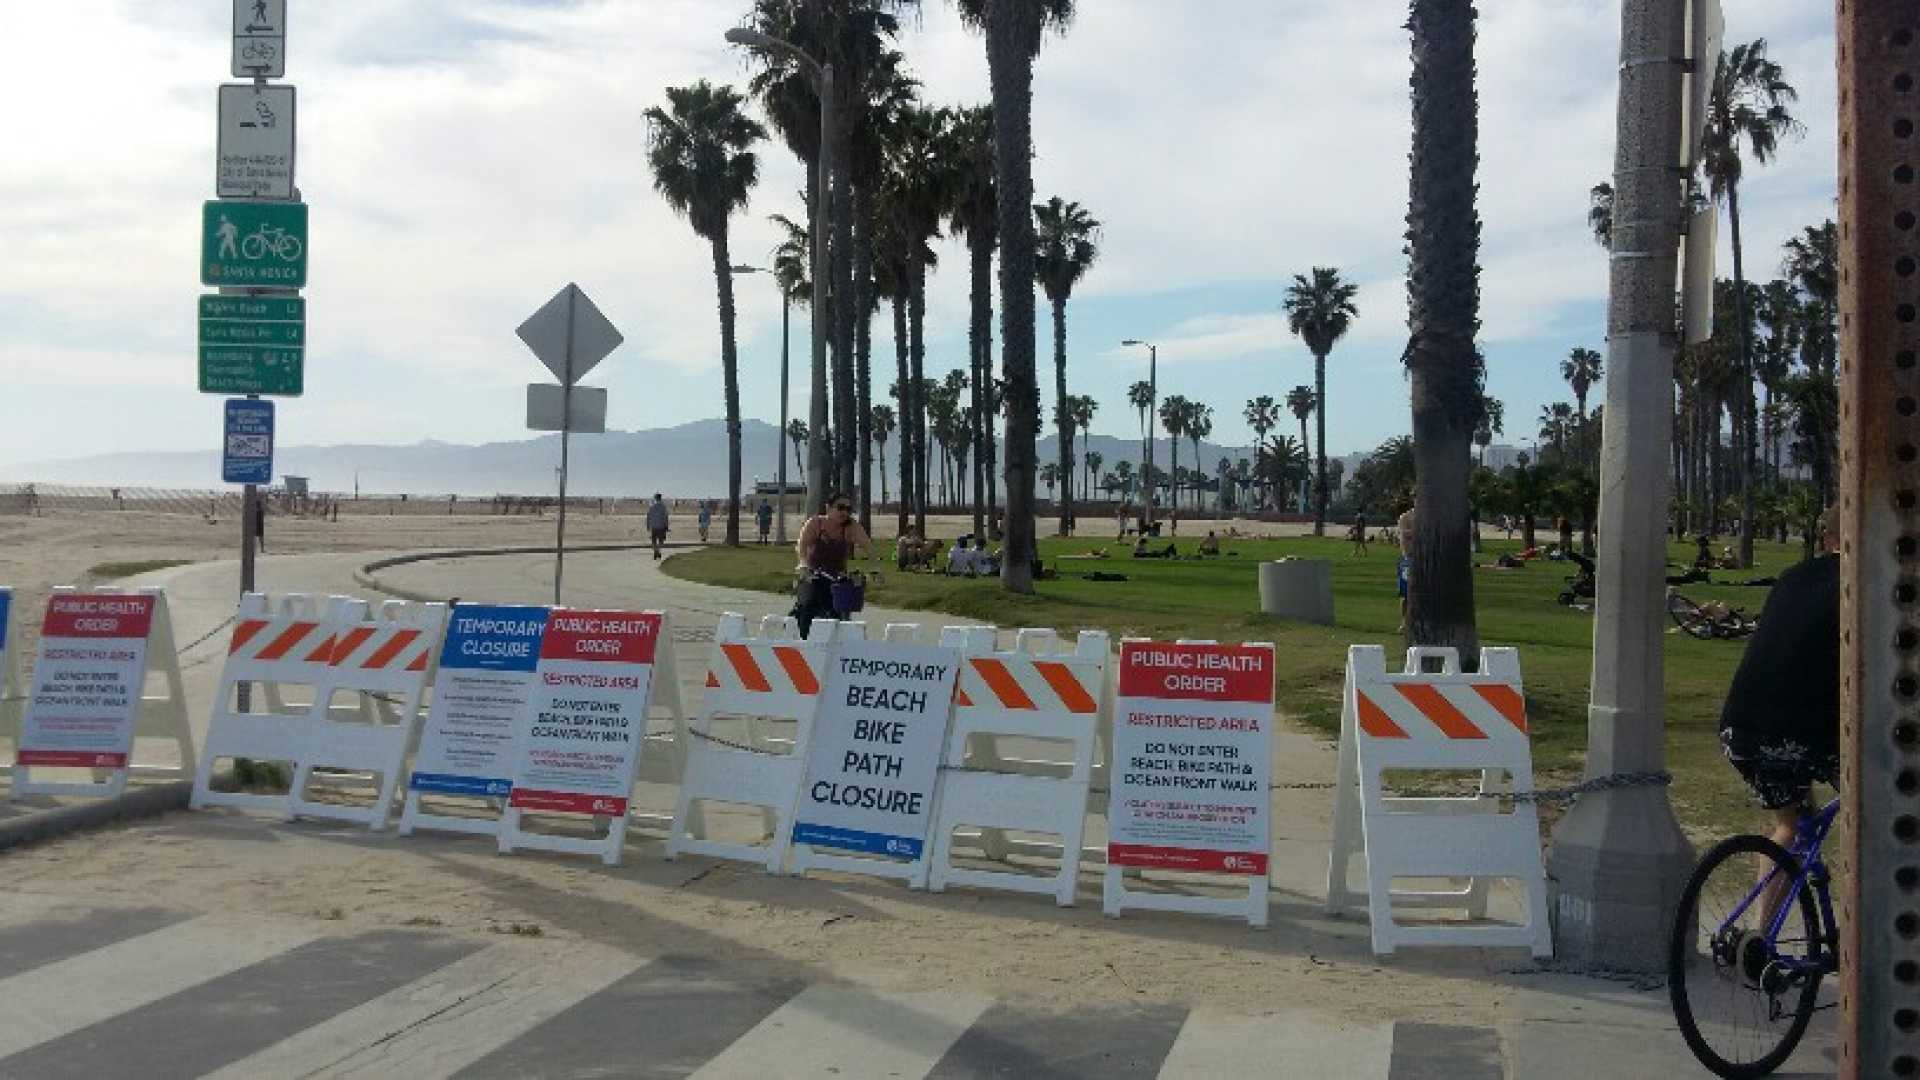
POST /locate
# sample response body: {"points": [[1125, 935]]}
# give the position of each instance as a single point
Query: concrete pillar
{"points": [[1618, 859]]}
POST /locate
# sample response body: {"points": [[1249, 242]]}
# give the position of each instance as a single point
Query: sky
{"points": [[465, 159]]}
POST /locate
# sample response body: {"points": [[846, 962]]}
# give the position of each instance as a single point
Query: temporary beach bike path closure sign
{"points": [[875, 758], [1192, 762], [84, 700], [588, 710], [477, 723]]}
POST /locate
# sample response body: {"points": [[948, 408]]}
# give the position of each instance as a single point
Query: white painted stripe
{"points": [[444, 1021], [67, 995], [842, 1031], [1297, 1044], [17, 907]]}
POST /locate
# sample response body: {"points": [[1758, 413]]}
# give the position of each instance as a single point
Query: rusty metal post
{"points": [[1879, 61]]}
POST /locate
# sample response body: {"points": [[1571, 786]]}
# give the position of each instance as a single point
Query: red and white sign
{"points": [[1192, 758], [588, 712], [87, 680]]}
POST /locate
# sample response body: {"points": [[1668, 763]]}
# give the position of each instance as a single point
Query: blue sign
{"points": [[6, 606], [478, 720], [248, 454]]}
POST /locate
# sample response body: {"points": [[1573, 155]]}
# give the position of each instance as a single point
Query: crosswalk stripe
{"points": [[1217, 1044], [444, 1021], [67, 995], [75, 930], [834, 1031], [1124, 1042]]}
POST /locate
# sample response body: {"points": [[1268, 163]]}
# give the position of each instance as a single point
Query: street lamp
{"points": [[780, 437], [1153, 405], [822, 75]]}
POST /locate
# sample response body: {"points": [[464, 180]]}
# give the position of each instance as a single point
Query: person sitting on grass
{"points": [[960, 561], [1210, 546]]}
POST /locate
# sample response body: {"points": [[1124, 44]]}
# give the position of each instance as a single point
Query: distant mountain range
{"points": [[687, 461]]}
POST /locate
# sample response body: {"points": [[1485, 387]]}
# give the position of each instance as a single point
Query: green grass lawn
{"points": [[1220, 599]]}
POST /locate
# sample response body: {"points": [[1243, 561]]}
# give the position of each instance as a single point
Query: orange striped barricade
{"points": [[1015, 694], [88, 704], [752, 679], [1192, 769], [589, 709], [275, 648], [384, 658], [1446, 720]]}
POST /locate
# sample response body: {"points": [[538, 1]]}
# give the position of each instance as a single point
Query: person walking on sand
{"points": [[1358, 534], [657, 524], [705, 518], [764, 516]]}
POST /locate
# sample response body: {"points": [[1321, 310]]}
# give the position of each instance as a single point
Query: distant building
{"points": [[1500, 456]]}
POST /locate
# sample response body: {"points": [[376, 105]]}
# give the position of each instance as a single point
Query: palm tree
{"points": [[916, 194], [697, 148], [882, 424], [1582, 370], [797, 434], [1746, 116], [1050, 475], [1443, 313], [1780, 313], [1303, 402], [1083, 407], [1094, 460], [1493, 419], [1198, 425], [1262, 414], [1174, 410], [1123, 474], [1066, 239], [1319, 311], [1811, 263], [1140, 396], [1600, 213], [1014, 31], [974, 213]]}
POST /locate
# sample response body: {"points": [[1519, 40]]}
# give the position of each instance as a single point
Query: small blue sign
{"points": [[494, 638], [248, 454], [6, 615]]}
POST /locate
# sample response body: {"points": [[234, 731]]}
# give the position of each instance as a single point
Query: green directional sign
{"points": [[253, 345], [253, 244]]}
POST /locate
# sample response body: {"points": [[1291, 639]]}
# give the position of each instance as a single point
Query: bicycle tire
{"points": [[289, 249], [253, 247], [1680, 950]]}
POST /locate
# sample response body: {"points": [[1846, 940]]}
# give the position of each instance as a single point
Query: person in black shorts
{"points": [[1780, 726]]}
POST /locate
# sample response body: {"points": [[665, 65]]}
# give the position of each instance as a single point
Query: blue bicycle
{"points": [[1752, 940]]}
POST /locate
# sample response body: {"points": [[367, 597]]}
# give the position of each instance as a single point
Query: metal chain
{"points": [[1613, 781], [731, 745]]}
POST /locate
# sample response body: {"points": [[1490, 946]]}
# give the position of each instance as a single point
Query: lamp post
{"points": [[822, 75], [1153, 404], [780, 436]]}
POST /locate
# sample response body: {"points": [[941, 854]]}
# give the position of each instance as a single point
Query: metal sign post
{"points": [[570, 336]]}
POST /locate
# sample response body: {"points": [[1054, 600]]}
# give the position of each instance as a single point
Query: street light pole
{"points": [[1153, 405], [780, 436], [822, 75]]}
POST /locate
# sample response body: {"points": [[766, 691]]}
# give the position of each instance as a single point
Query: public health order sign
{"points": [[474, 730], [1192, 756], [876, 748], [87, 680], [589, 709]]}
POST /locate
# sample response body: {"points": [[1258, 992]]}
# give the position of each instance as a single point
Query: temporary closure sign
{"points": [[478, 719], [1192, 758], [87, 680], [589, 711], [876, 748]]}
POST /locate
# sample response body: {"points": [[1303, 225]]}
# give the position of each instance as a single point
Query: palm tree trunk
{"points": [[863, 343], [1063, 420], [1173, 484], [846, 423], [730, 375], [905, 426], [980, 280], [1010, 67], [916, 358], [883, 472], [1744, 402], [1306, 482], [1443, 311], [1319, 444]]}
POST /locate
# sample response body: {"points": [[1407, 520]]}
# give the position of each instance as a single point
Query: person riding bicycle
{"points": [[826, 541], [1780, 727]]}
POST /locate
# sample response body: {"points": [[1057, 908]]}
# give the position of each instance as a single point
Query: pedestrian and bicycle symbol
{"points": [[260, 245]]}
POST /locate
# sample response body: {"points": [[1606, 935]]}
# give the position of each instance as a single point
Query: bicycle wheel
{"points": [[289, 249], [1688, 616], [1739, 1010], [253, 247]]}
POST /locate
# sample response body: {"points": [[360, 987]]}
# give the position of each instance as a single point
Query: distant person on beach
{"points": [[657, 524], [764, 516], [260, 522], [706, 518]]}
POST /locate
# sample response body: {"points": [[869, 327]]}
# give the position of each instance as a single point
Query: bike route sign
{"points": [[248, 457], [253, 345], [259, 39], [253, 244]]}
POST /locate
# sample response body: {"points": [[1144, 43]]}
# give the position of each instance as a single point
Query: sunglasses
{"points": [[844, 507]]}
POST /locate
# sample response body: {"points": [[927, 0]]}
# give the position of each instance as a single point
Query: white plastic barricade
{"points": [[873, 759], [1445, 720], [1192, 765], [477, 723], [384, 657], [274, 648], [1018, 694], [87, 704], [769, 676], [589, 707]]}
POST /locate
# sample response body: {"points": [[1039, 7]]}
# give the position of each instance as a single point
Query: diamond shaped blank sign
{"points": [[569, 320]]}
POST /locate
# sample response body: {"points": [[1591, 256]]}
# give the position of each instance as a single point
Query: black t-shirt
{"points": [[1788, 685]]}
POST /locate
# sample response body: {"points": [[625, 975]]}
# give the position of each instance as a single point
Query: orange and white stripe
{"points": [[764, 668], [1020, 684], [1455, 710]]}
